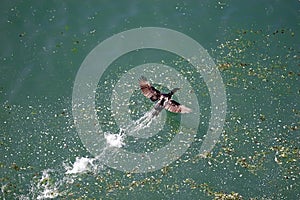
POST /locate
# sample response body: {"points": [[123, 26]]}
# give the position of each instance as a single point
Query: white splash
{"points": [[80, 165], [84, 164], [115, 140]]}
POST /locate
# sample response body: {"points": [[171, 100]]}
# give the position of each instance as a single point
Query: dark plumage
{"points": [[164, 101]]}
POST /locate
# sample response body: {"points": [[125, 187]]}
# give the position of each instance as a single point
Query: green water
{"points": [[255, 45]]}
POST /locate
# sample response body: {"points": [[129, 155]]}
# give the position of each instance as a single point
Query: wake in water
{"points": [[51, 183], [142, 123], [83, 164]]}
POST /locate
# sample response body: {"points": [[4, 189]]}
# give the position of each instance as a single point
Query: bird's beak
{"points": [[175, 90]]}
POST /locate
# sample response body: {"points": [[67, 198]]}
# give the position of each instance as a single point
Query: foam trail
{"points": [[84, 164], [51, 182]]}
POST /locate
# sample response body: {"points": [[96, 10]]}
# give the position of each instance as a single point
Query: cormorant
{"points": [[164, 101]]}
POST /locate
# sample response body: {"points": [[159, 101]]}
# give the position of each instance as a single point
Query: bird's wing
{"points": [[148, 90], [174, 106]]}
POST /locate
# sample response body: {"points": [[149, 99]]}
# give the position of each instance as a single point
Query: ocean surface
{"points": [[255, 46]]}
